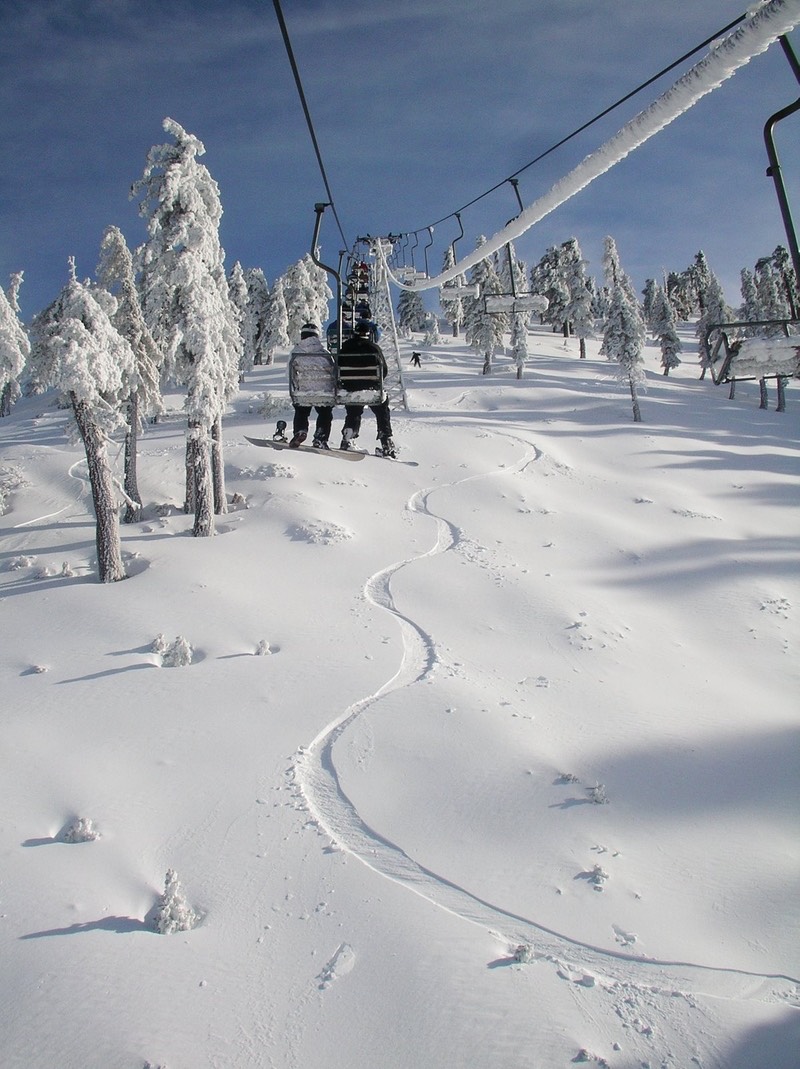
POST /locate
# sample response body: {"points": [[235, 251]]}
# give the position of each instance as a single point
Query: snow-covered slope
{"points": [[537, 689]]}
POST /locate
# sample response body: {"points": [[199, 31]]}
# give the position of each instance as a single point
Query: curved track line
{"points": [[316, 776], [82, 481]]}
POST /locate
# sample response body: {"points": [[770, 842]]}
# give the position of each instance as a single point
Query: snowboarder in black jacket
{"points": [[362, 369]]}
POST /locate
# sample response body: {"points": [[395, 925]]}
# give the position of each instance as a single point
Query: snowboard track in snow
{"points": [[314, 773]]}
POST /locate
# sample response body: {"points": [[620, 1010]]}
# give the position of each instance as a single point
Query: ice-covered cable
{"points": [[773, 20]]}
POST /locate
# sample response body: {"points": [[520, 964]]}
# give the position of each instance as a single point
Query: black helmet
{"points": [[308, 330], [363, 326]]}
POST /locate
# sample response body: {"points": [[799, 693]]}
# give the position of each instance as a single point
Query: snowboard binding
{"points": [[280, 431]]}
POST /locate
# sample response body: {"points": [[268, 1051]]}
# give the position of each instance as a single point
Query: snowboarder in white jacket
{"points": [[312, 383]]}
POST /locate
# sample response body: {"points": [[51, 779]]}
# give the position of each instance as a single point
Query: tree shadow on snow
{"points": [[773, 1045], [117, 925]]}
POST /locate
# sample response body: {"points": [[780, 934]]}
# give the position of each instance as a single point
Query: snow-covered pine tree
{"points": [[782, 262], [432, 335], [715, 310], [702, 277], [187, 306], [547, 279], [681, 295], [750, 309], [306, 293], [771, 296], [624, 334], [613, 273], [452, 307], [321, 293], [519, 342], [254, 330], [15, 346], [482, 330], [115, 272], [411, 312], [513, 279], [578, 310], [237, 291], [511, 271], [663, 324], [77, 350], [648, 293], [276, 329]]}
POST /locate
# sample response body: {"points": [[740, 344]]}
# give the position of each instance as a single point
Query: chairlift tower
{"points": [[382, 313]]}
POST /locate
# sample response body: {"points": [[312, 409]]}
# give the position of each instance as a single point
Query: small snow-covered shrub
{"points": [[263, 648], [66, 570], [271, 406], [17, 563], [10, 479], [178, 655], [598, 877], [598, 794], [159, 644], [173, 913], [80, 830], [524, 954]]}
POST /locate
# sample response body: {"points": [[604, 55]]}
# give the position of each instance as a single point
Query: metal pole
{"points": [[774, 169], [319, 209], [430, 232]]}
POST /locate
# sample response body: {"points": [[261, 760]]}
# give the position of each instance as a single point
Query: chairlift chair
{"points": [[512, 303], [750, 358]]}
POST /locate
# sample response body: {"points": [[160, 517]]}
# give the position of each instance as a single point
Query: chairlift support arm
{"points": [[319, 210], [774, 169]]}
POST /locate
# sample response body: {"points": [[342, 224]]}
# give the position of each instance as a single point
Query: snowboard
{"points": [[339, 454]]}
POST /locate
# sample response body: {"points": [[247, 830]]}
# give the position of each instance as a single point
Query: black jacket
{"points": [[361, 364]]}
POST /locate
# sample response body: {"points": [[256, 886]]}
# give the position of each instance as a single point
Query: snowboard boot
{"points": [[320, 442], [297, 439], [387, 448], [348, 434]]}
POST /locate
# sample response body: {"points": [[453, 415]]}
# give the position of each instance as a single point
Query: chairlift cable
{"points": [[590, 122], [306, 112]]}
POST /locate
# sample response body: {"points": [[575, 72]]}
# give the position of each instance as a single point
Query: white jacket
{"points": [[312, 374]]}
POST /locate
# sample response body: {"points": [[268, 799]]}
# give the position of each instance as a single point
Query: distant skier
{"points": [[312, 382], [415, 360], [362, 370]]}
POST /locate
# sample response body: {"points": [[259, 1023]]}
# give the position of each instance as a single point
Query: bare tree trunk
{"points": [[732, 391], [189, 495], [218, 468], [110, 568], [198, 470], [582, 344], [781, 406], [487, 364], [133, 507], [762, 386], [637, 415]]}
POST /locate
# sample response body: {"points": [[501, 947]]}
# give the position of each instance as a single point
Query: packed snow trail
{"points": [[314, 773]]}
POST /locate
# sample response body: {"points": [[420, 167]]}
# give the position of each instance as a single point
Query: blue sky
{"points": [[418, 106]]}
